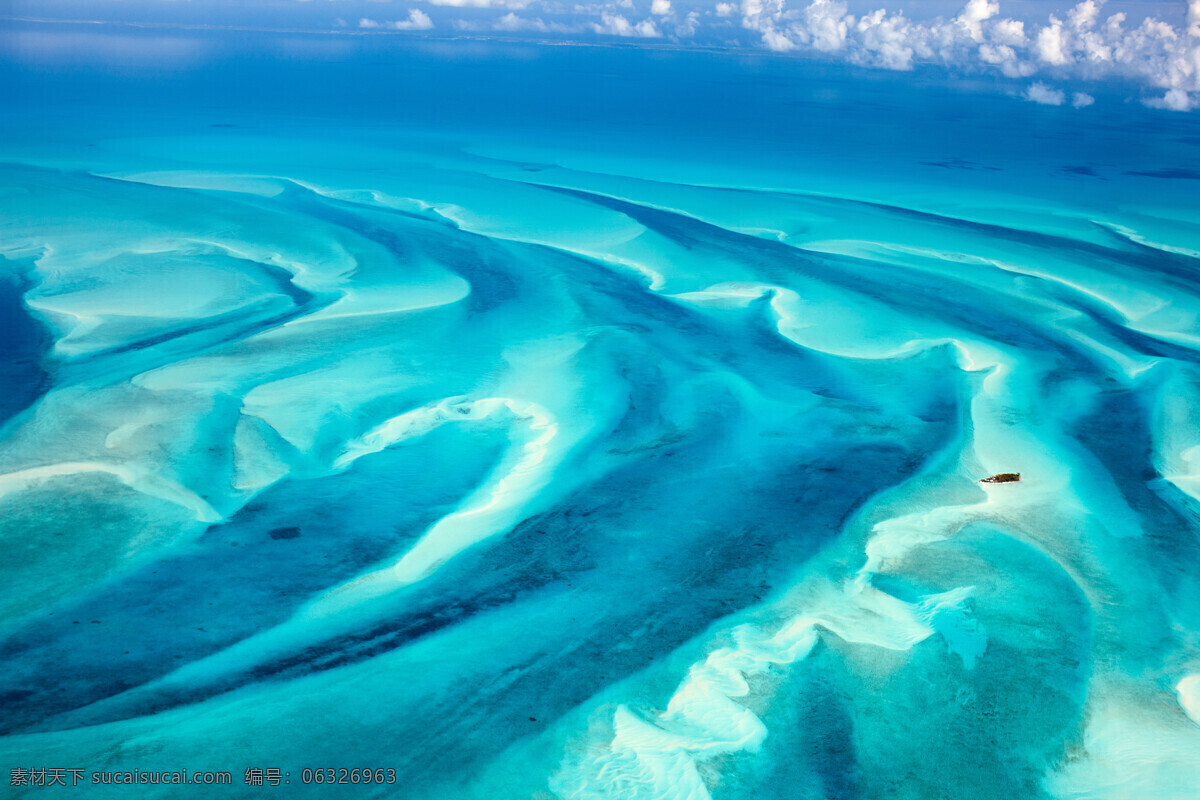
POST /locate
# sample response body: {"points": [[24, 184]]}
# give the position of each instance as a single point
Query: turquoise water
{"points": [[546, 422]]}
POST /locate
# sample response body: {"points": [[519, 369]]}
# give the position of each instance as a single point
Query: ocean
{"points": [[466, 419]]}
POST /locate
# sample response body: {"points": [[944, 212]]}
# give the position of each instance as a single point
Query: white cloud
{"points": [[1008, 32], [1041, 93], [688, 25], [617, 25], [1006, 58], [1083, 46], [973, 15], [827, 23], [886, 39], [511, 22], [647, 29], [1174, 100], [777, 41], [1080, 43], [417, 20], [1052, 42], [1083, 16]]}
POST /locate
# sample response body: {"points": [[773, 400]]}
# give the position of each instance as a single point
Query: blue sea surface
{"points": [[533, 421]]}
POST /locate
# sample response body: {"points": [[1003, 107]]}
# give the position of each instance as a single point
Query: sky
{"points": [[1053, 50]]}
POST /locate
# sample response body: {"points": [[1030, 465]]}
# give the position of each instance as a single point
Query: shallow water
{"points": [[617, 440]]}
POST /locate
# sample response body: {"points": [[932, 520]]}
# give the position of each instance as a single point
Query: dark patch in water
{"points": [[959, 163], [14, 695], [1183, 173], [1086, 172], [25, 343], [290, 532], [828, 738]]}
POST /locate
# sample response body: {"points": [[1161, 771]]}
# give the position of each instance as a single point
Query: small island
{"points": [[1003, 477]]}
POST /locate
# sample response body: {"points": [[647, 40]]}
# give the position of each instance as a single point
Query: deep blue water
{"points": [[25, 342]]}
